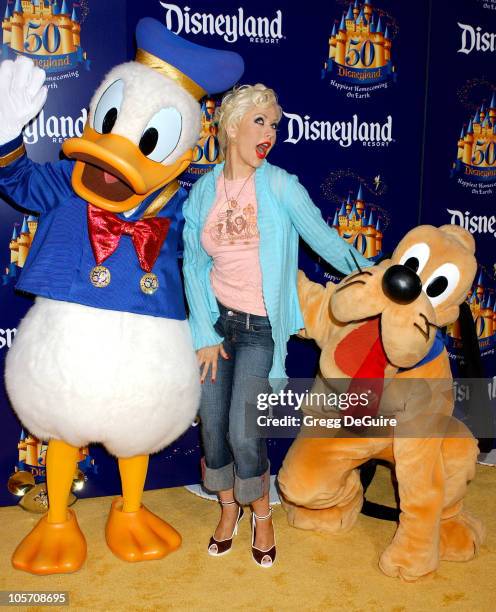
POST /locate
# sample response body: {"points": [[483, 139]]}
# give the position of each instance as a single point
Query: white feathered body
{"points": [[82, 375]]}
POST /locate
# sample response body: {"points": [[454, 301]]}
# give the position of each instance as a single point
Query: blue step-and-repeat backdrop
{"points": [[389, 121]]}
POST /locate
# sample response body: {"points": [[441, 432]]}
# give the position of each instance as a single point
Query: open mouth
{"points": [[107, 183], [262, 149]]}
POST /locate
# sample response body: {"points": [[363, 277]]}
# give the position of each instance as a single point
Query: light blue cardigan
{"points": [[284, 211]]}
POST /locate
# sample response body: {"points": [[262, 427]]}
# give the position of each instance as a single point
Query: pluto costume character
{"points": [[105, 354], [380, 324]]}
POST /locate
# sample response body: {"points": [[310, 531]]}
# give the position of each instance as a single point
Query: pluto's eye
{"points": [[441, 283], [161, 135], [413, 263], [416, 257], [108, 107], [437, 286]]}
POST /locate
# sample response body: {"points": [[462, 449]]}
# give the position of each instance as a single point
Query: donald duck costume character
{"points": [[106, 350]]}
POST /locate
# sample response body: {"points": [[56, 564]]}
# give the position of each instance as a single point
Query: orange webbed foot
{"points": [[139, 536], [52, 548]]}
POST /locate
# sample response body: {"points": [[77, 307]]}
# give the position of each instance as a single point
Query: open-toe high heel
{"points": [[263, 558], [217, 548]]}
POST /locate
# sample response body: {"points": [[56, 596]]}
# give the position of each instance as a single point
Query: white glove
{"points": [[22, 95]]}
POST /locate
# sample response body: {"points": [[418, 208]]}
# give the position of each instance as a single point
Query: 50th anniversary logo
{"points": [[476, 154], [359, 60], [46, 31]]}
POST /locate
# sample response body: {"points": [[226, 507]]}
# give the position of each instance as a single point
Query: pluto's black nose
{"points": [[401, 284]]}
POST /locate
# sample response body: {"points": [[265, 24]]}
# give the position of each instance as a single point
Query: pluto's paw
{"points": [[461, 537], [409, 565]]}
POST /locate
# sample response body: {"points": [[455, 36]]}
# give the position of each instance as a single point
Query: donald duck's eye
{"points": [[108, 107], [161, 135], [148, 141]]}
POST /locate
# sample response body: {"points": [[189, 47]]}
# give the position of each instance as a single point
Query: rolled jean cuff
{"points": [[247, 490], [218, 479]]}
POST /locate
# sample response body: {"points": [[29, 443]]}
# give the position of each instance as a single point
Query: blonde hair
{"points": [[237, 102]]}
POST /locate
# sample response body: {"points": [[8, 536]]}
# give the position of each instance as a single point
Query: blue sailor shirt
{"points": [[61, 259]]}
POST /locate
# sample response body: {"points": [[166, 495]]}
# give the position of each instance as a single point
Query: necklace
{"points": [[233, 202]]}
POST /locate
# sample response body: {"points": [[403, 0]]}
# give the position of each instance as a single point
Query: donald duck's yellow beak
{"points": [[113, 174]]}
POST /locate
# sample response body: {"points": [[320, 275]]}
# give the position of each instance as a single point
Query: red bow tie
{"points": [[105, 230]]}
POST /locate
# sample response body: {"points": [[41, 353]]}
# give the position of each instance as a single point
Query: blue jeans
{"points": [[233, 460]]}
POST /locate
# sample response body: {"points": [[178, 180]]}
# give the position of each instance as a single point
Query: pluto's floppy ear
{"points": [[462, 235], [314, 304]]}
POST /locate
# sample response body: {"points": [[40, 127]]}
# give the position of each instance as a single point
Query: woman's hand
{"points": [[208, 356]]}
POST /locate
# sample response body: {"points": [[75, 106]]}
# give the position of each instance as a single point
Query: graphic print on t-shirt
{"points": [[233, 223], [231, 237]]}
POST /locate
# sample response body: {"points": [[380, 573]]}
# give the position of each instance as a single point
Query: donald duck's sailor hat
{"points": [[199, 70]]}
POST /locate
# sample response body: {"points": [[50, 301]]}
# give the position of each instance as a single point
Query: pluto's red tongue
{"points": [[109, 178], [371, 367], [375, 362]]}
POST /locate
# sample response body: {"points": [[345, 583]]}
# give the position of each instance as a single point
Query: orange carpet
{"points": [[313, 571]]}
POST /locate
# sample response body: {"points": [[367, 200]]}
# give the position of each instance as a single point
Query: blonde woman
{"points": [[242, 295]]}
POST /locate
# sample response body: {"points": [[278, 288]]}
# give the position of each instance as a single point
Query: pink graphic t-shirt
{"points": [[230, 236]]}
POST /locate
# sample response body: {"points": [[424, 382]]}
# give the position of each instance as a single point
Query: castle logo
{"points": [[42, 30], [476, 157], [54, 127], [474, 39], [19, 246], [30, 469], [482, 302], [206, 153], [359, 225], [228, 27], [359, 60], [345, 133]]}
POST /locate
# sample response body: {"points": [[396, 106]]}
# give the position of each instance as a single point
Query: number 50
{"points": [[364, 54], [49, 39]]}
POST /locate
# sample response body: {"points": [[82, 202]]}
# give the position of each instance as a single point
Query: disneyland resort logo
{"points": [[359, 59], [474, 38], [343, 133], [55, 128], [475, 165], [475, 224], [229, 26], [47, 31]]}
